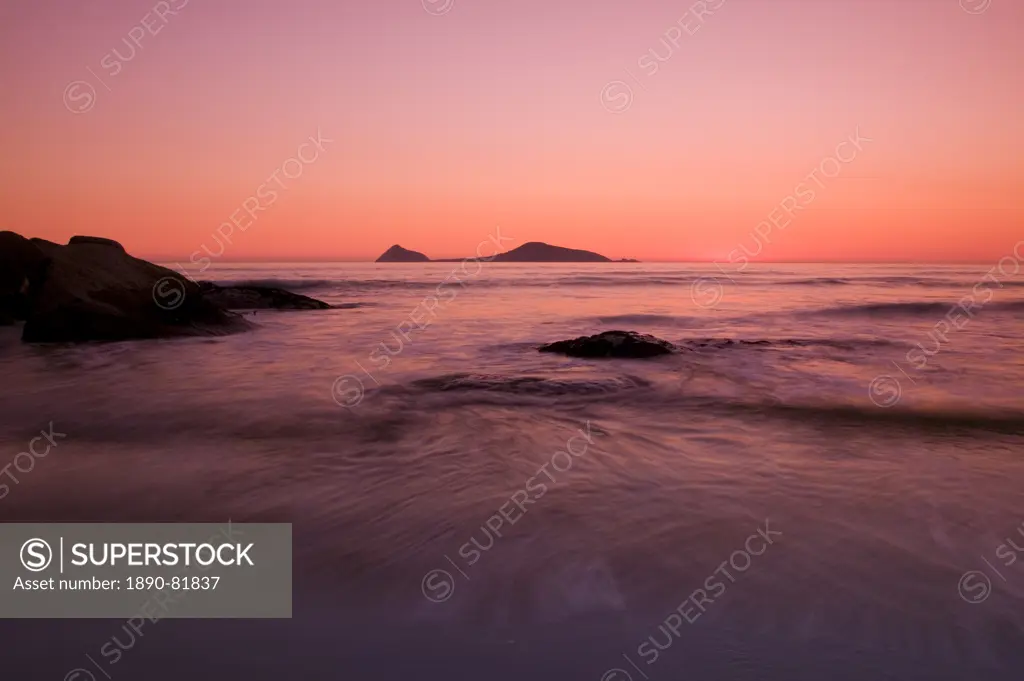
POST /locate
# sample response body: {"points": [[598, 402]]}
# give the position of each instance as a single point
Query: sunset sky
{"points": [[554, 120]]}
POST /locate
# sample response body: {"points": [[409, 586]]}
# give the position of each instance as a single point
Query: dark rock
{"points": [[95, 240], [257, 298], [618, 344], [398, 254], [93, 291], [48, 248], [22, 264]]}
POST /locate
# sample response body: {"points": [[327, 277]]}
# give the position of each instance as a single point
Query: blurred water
{"points": [[851, 408]]}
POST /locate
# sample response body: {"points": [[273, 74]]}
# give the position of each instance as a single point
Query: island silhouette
{"points": [[398, 254], [532, 251]]}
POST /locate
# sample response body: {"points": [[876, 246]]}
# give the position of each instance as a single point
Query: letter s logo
{"points": [[36, 555]]}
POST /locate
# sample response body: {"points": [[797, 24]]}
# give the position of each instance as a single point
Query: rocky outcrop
{"points": [[398, 254], [22, 263], [612, 344], [92, 290], [257, 298]]}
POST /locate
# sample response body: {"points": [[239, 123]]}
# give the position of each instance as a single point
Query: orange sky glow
{"points": [[655, 130]]}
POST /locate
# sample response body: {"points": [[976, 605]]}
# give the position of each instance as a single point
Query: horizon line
{"points": [[639, 261]]}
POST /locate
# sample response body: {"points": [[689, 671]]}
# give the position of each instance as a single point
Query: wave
{"points": [[760, 279], [286, 284], [631, 392], [625, 279], [529, 385], [825, 281], [702, 344], [965, 284], [914, 308], [947, 421], [642, 319]]}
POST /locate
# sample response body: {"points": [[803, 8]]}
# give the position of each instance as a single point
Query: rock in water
{"points": [[616, 344], [257, 298], [92, 290]]}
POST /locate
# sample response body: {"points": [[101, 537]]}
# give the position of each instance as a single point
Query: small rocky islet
{"points": [[612, 344]]}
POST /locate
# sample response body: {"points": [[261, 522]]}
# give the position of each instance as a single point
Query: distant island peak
{"points": [[398, 254], [531, 251]]}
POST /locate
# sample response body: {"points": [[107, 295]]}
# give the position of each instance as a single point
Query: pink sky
{"points": [[446, 125]]}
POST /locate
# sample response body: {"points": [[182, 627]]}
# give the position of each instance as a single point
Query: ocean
{"points": [[825, 482]]}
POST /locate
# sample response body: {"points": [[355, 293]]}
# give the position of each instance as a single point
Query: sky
{"points": [[651, 129]]}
